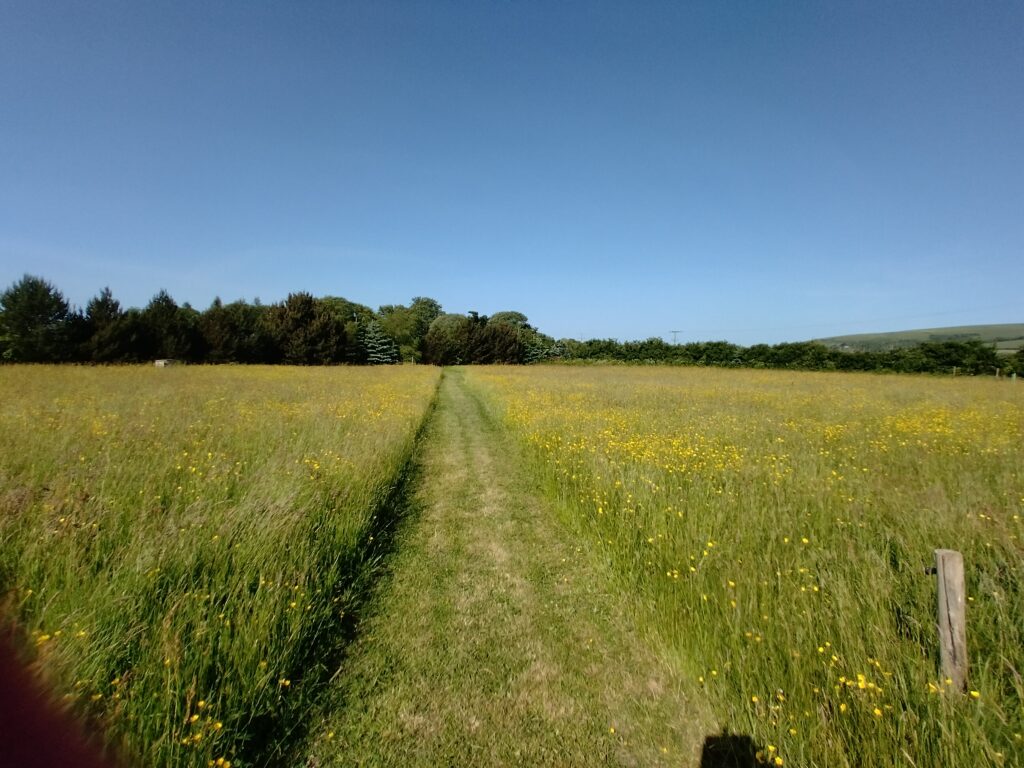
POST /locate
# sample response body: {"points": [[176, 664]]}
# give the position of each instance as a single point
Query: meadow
{"points": [[183, 549], [180, 546], [772, 531]]}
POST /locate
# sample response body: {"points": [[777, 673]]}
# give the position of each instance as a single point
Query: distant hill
{"points": [[1007, 338]]}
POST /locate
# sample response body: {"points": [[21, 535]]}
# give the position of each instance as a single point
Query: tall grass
{"points": [[180, 545], [774, 528]]}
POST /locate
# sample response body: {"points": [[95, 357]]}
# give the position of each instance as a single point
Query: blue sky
{"points": [[749, 171]]}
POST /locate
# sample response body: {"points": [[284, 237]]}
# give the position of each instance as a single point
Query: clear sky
{"points": [[755, 171]]}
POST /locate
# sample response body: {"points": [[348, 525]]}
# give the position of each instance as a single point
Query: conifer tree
{"points": [[378, 348], [33, 322]]}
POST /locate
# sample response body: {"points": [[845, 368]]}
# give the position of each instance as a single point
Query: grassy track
{"points": [[495, 642]]}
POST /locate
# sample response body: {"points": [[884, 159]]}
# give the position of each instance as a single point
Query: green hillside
{"points": [[1007, 337]]}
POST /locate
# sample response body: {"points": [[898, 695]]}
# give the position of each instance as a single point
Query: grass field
{"points": [[180, 545], [772, 531], [183, 550]]}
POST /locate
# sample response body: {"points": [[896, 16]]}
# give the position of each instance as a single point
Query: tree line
{"points": [[970, 357], [38, 325]]}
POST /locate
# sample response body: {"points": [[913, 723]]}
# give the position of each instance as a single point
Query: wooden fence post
{"points": [[949, 569]]}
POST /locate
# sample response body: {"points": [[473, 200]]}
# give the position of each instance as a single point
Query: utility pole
{"points": [[674, 334]]}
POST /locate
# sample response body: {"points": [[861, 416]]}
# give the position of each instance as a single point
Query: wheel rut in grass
{"points": [[496, 639]]}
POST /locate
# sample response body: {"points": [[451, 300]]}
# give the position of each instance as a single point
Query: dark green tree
{"points": [[77, 336], [447, 339], [33, 322], [477, 345], [1017, 362], [237, 333], [509, 338], [174, 330], [129, 339], [102, 314], [103, 309], [308, 331], [219, 334]]}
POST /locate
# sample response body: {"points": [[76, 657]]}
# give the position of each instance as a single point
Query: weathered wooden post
{"points": [[952, 620]]}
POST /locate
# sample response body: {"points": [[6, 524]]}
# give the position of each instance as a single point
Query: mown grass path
{"points": [[495, 639]]}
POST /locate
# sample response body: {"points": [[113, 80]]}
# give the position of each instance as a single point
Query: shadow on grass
{"points": [[728, 750], [279, 738]]}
